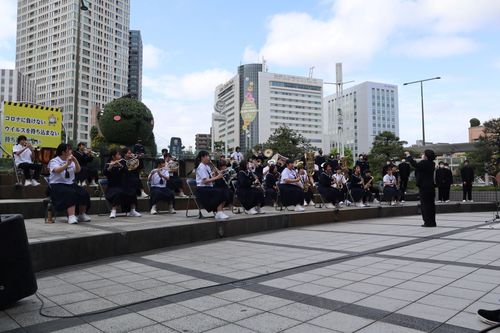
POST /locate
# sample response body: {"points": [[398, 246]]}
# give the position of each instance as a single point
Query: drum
{"points": [[46, 154]]}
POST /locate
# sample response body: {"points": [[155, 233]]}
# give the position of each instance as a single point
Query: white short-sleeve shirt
{"points": [[24, 157], [60, 178], [288, 174], [156, 179], [203, 171], [389, 179]]}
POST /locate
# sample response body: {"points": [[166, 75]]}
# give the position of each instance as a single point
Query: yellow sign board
{"points": [[41, 125]]}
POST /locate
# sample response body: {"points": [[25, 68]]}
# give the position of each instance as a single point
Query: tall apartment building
{"points": [[367, 109], [258, 102], [16, 87], [135, 64], [202, 142], [58, 41]]}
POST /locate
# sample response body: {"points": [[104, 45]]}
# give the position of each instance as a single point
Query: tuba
{"points": [[268, 153], [309, 163]]}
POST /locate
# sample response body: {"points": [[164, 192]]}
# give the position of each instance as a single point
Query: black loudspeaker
{"points": [[17, 279]]}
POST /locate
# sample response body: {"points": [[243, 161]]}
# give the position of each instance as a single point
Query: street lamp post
{"points": [[81, 7], [422, 100]]}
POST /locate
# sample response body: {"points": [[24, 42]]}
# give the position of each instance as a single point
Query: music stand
{"points": [[496, 216]]}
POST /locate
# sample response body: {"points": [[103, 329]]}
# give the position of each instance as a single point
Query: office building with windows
{"points": [[202, 142], [258, 102], [16, 87], [135, 64], [366, 109], [59, 41]]}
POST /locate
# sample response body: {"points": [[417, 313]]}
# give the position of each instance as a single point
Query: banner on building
{"points": [[248, 108], [41, 125]]}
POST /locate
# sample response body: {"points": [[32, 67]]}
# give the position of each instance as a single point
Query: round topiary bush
{"points": [[474, 122], [125, 120]]}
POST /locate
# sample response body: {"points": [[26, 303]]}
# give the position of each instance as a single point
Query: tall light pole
{"points": [[81, 7], [422, 100]]}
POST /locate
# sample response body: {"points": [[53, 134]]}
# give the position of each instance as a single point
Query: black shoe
{"points": [[428, 226], [490, 317]]}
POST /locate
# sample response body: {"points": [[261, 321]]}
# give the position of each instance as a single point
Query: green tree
{"points": [[219, 147], [484, 158], [474, 122], [287, 142], [386, 146], [347, 154]]}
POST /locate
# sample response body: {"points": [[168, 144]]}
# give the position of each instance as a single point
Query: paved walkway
{"points": [[378, 275]]}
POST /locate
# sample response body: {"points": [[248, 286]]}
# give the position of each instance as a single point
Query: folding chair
{"points": [[191, 184], [50, 211], [19, 173], [317, 194]]}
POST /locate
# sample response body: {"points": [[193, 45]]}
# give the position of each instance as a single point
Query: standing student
{"points": [[425, 182], [65, 194], [23, 158], [444, 180], [88, 174], [467, 174]]}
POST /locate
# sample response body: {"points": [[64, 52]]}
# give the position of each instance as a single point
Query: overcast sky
{"points": [[192, 46]]}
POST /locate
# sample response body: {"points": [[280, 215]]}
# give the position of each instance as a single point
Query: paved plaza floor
{"points": [[378, 275]]}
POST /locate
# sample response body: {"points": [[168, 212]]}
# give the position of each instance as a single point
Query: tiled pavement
{"points": [[378, 275]]}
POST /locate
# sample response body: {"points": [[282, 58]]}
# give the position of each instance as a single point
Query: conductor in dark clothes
{"points": [[425, 181]]}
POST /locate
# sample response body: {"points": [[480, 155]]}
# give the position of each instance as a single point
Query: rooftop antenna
{"points": [[311, 71], [264, 64]]}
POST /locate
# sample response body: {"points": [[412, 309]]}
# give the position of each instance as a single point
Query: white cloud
{"points": [[8, 21], [7, 64], [356, 30], [250, 55], [182, 106], [152, 56]]}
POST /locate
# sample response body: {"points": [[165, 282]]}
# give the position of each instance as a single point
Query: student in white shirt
{"points": [[211, 198], [158, 179], [64, 192], [391, 192], [23, 157], [236, 155], [291, 192]]}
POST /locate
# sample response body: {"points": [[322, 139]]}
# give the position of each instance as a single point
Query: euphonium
{"points": [[132, 162]]}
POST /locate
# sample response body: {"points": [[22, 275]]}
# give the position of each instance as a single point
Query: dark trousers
{"points": [[428, 206], [27, 167], [402, 187], [467, 191], [87, 174], [309, 195], [443, 192]]}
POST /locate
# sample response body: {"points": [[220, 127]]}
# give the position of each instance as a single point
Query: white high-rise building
{"points": [[47, 50], [276, 100], [367, 109]]}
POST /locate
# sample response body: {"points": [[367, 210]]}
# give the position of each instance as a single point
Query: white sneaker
{"points": [[84, 183], [471, 200], [171, 209], [299, 208], [72, 219], [464, 200], [439, 201], [341, 203], [305, 203], [134, 213], [221, 216], [290, 207], [375, 201], [329, 205], [83, 218], [143, 194], [447, 201], [311, 203], [112, 215], [153, 210], [393, 203], [348, 203], [28, 183], [182, 195], [366, 204], [402, 201], [93, 184], [252, 211], [259, 210], [34, 182], [359, 204]]}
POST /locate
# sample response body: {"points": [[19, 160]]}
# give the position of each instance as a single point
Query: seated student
{"points": [[357, 187], [291, 192], [340, 183], [371, 191], [88, 174], [158, 179], [23, 157], [174, 183], [391, 192], [250, 196], [331, 195], [211, 198], [224, 183], [134, 164], [122, 185], [64, 192], [271, 185]]}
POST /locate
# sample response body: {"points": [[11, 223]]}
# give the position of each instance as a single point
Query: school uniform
{"points": [[291, 194], [209, 196], [248, 195], [158, 188], [64, 192]]}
